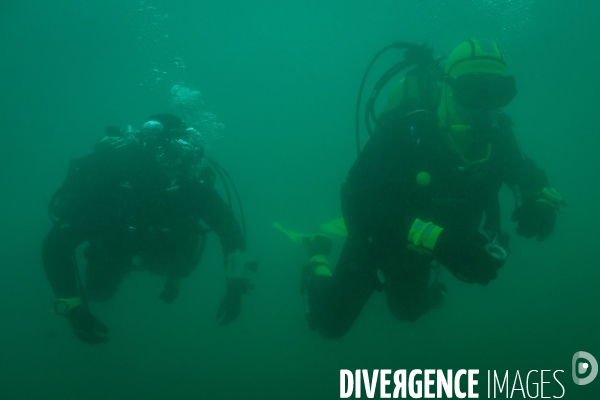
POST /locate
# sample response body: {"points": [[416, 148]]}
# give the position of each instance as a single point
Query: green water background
{"points": [[283, 77]]}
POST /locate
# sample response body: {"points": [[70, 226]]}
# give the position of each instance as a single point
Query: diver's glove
{"points": [[231, 305], [117, 139], [538, 217], [171, 290], [236, 265], [472, 259], [85, 326]]}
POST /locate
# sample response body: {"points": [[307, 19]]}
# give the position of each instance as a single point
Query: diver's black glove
{"points": [[467, 257], [85, 326], [537, 217], [231, 305], [171, 290]]}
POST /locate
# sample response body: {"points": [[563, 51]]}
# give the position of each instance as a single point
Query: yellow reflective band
{"points": [[413, 230], [64, 306], [321, 265], [423, 234], [546, 201], [551, 195], [319, 259], [323, 270], [431, 237]]}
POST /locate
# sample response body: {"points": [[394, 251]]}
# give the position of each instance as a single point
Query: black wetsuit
{"points": [[381, 199], [133, 216]]}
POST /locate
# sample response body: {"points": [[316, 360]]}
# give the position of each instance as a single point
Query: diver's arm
{"points": [[523, 177], [220, 218], [58, 252], [536, 203], [521, 174]]}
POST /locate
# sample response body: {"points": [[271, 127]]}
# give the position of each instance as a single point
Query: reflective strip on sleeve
{"points": [[423, 234]]}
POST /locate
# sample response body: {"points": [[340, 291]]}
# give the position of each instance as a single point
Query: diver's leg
{"points": [[105, 270], [186, 258], [187, 254], [336, 301], [409, 294]]}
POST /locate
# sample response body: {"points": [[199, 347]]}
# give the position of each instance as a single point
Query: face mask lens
{"points": [[151, 131], [173, 153], [484, 91], [507, 90], [179, 155]]}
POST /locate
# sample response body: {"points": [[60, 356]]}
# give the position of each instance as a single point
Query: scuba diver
{"points": [[423, 191], [143, 200]]}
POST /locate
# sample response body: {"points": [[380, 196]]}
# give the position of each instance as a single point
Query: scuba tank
{"points": [[426, 73]]}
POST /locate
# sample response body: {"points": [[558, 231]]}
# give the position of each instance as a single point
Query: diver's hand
{"points": [[231, 305], [536, 219], [117, 140], [171, 290], [477, 266], [467, 258], [86, 327], [238, 263], [537, 216]]}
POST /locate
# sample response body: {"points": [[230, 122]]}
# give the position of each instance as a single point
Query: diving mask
{"points": [[483, 91]]}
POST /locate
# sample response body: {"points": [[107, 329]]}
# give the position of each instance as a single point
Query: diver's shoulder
{"points": [[505, 120], [107, 161], [87, 161]]}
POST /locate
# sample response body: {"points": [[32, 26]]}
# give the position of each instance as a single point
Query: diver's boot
{"points": [[318, 248]]}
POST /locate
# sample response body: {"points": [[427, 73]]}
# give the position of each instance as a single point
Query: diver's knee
{"points": [[332, 333], [102, 289], [330, 330], [405, 313], [327, 330]]}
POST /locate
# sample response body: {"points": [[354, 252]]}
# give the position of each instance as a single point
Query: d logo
{"points": [[582, 368]]}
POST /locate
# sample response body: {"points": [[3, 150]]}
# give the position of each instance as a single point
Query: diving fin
{"points": [[298, 238], [337, 226]]}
